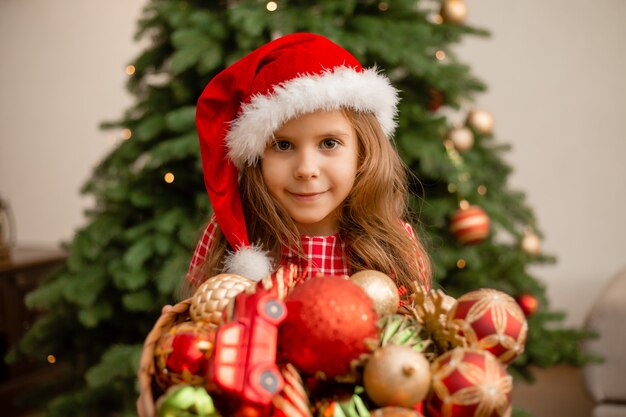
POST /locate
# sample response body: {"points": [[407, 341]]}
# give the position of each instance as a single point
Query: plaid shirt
{"points": [[324, 254]]}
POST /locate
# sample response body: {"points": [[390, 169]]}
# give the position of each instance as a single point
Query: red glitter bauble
{"points": [[493, 321], [469, 383], [181, 355], [329, 319], [470, 225]]}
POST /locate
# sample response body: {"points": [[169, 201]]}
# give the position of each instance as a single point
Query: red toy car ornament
{"points": [[244, 360]]}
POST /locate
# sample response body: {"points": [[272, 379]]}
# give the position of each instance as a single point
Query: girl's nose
{"points": [[307, 166]]}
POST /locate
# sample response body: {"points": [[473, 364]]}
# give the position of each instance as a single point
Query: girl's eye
{"points": [[282, 145], [329, 143]]}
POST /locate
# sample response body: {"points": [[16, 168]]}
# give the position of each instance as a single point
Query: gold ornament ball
{"points": [[397, 375], [212, 297], [454, 11], [380, 289], [531, 244], [462, 138], [481, 120]]}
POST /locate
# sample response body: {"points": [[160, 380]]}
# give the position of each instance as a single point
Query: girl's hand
{"points": [[166, 308]]}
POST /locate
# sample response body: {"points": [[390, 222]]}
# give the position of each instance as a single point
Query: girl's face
{"points": [[310, 167]]}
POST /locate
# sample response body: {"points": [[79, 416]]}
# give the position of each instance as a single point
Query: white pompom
{"points": [[251, 262]]}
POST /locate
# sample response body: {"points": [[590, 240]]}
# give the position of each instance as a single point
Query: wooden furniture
{"points": [[26, 268]]}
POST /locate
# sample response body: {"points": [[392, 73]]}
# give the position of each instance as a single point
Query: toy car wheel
{"points": [[274, 309], [269, 381]]}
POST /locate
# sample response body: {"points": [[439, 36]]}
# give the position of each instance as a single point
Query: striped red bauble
{"points": [[470, 225]]}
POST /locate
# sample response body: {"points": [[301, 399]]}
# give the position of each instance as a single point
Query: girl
{"points": [[297, 160]]}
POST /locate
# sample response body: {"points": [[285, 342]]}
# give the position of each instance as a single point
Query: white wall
{"points": [[557, 89]]}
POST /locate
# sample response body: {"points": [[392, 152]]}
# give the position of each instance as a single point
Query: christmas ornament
{"points": [[396, 375], [531, 244], [431, 309], [380, 289], [186, 401], [469, 383], [493, 321], [435, 100], [213, 296], [292, 400], [454, 11], [461, 137], [395, 412], [470, 225], [327, 314], [182, 354], [481, 121], [528, 303]]}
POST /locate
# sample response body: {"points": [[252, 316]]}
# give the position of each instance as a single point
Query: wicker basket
{"points": [[177, 314]]}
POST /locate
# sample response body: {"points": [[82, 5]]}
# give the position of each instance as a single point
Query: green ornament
{"points": [[186, 401]]}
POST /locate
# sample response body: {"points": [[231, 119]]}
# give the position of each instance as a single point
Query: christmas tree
{"points": [[128, 261]]}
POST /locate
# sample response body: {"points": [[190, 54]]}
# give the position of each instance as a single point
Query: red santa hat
{"points": [[242, 106]]}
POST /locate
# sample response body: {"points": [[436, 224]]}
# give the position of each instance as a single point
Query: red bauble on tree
{"points": [[470, 225], [182, 354], [491, 320], [329, 321], [469, 383], [528, 303]]}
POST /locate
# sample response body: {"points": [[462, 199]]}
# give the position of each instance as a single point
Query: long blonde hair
{"points": [[371, 222]]}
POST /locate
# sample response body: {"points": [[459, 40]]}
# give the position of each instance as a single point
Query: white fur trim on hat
{"points": [[251, 262], [341, 87]]}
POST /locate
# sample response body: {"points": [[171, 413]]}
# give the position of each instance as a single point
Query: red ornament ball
{"points": [[469, 383], [182, 354], [493, 321], [528, 303], [470, 225], [329, 320]]}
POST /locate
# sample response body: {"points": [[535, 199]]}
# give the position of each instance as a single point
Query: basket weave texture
{"points": [[177, 314]]}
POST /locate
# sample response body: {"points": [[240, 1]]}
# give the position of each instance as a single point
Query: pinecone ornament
{"points": [[431, 310], [212, 297]]}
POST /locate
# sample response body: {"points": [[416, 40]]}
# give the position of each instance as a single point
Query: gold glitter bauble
{"points": [[531, 244], [462, 138], [454, 11], [397, 375], [380, 289], [213, 296], [481, 120]]}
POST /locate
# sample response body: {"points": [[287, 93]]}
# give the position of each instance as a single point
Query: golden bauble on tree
{"points": [[531, 244], [454, 11], [461, 137], [481, 121], [213, 296], [380, 289], [397, 375]]}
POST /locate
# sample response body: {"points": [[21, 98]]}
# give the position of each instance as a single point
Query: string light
{"points": [[52, 359], [452, 188], [271, 6], [130, 70], [382, 6], [126, 134], [440, 55], [460, 263], [437, 19], [482, 190], [464, 204], [169, 178]]}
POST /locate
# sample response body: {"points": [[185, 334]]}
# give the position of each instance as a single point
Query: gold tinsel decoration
{"points": [[431, 309]]}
